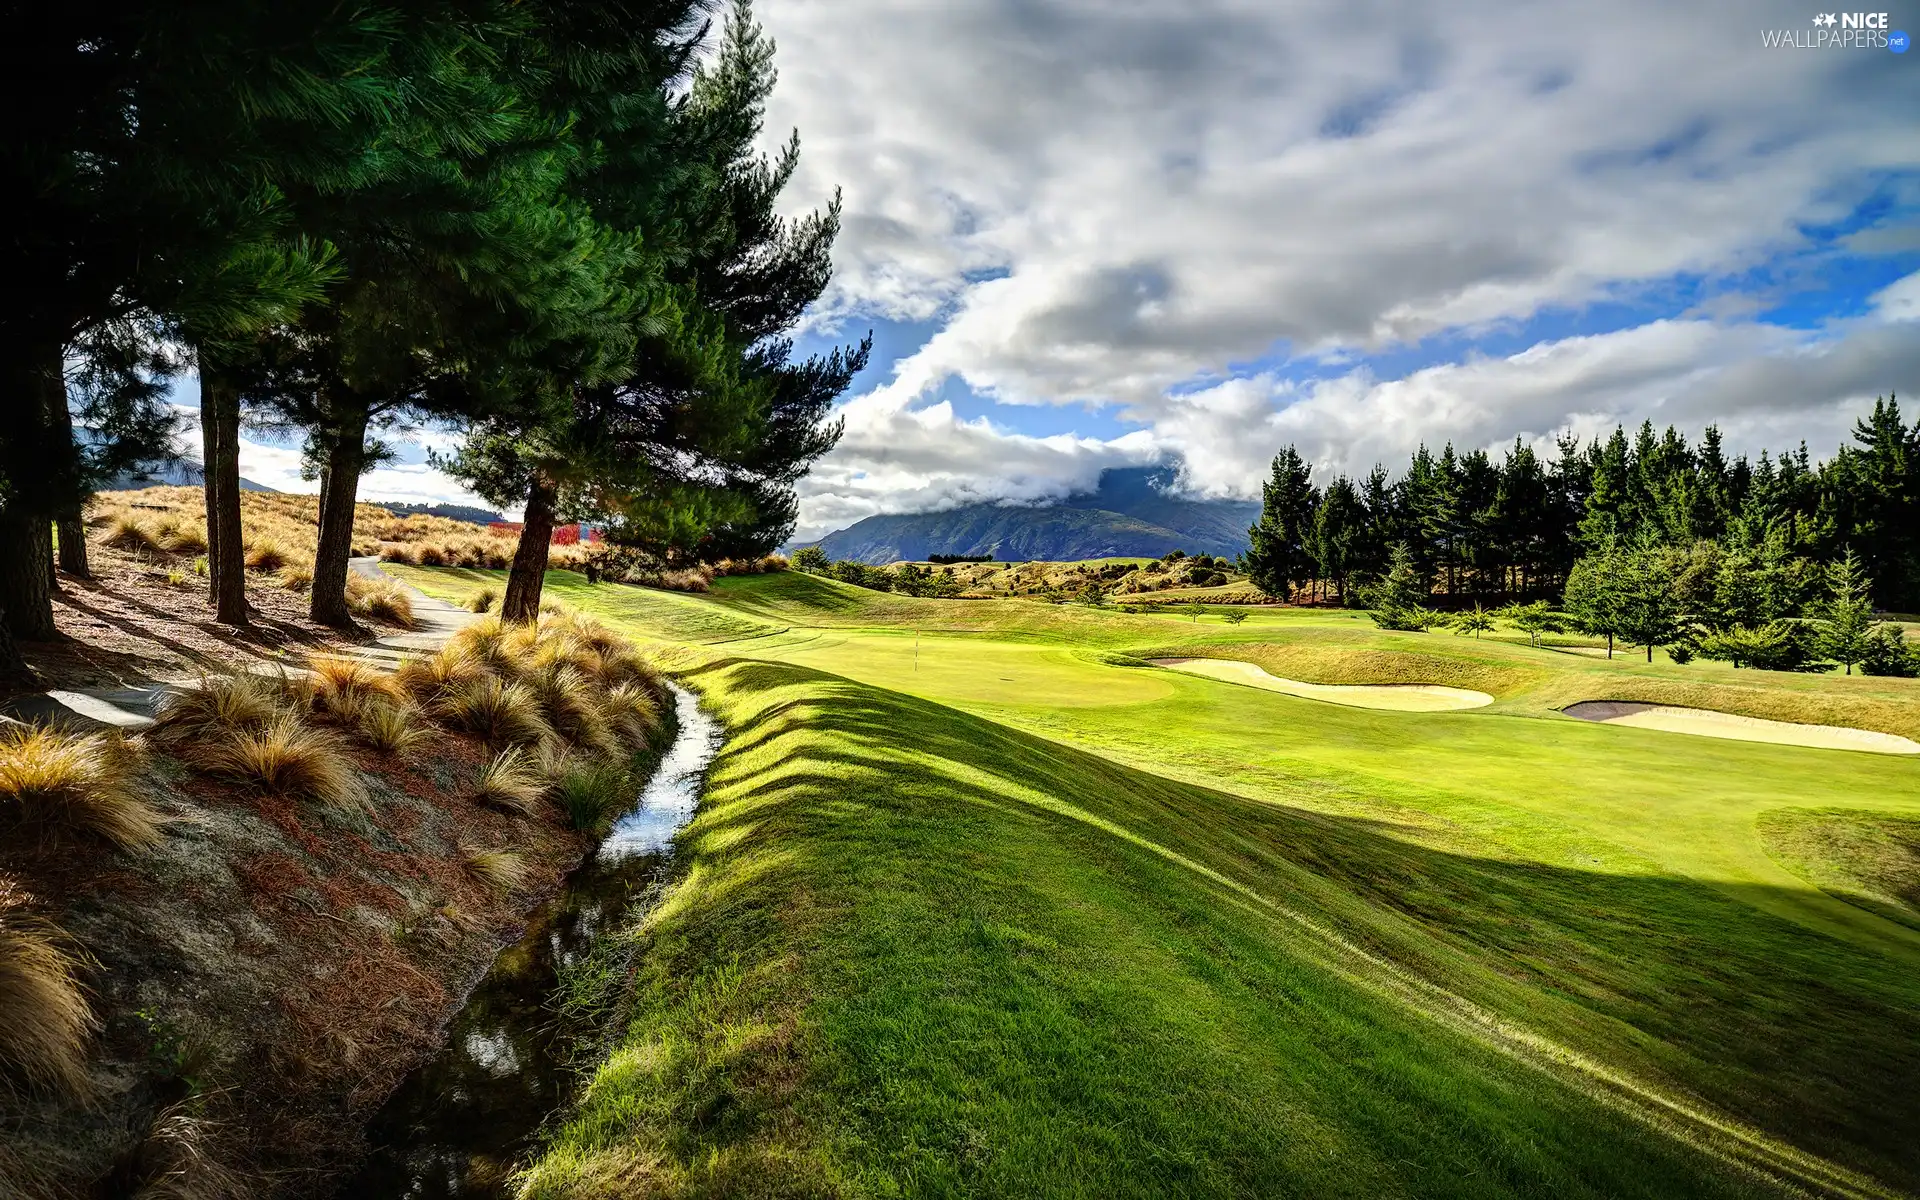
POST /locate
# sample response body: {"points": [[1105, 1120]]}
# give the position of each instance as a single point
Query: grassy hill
{"points": [[976, 907]]}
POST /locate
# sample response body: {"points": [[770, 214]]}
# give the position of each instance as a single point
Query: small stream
{"points": [[463, 1122]]}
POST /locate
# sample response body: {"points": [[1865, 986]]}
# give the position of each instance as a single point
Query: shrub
{"points": [[592, 794], [43, 1040], [287, 758], [62, 786], [810, 558], [483, 600], [1888, 654], [389, 727], [380, 600], [512, 782], [131, 534], [502, 870], [1681, 653], [502, 714], [1235, 617], [266, 555], [219, 705]]}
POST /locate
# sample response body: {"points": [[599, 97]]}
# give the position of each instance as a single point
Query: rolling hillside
{"points": [[1131, 513]]}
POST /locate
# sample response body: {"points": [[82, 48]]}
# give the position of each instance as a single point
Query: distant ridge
{"points": [[1132, 512], [453, 512], [180, 473]]}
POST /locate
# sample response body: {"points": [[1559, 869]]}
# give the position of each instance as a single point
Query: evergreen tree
{"points": [[1399, 600], [1280, 559], [1338, 526], [1647, 608], [1609, 511], [1848, 624], [1596, 599]]}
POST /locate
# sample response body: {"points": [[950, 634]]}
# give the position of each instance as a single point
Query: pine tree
{"points": [[1595, 598], [1848, 625], [1279, 559], [1399, 600]]}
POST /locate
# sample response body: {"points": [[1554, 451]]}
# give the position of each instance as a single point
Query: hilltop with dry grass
{"points": [[222, 942]]}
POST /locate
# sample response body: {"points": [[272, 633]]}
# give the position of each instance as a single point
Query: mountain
{"points": [[453, 512], [1133, 512], [182, 472]]}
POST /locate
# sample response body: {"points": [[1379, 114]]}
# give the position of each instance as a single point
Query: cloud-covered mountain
{"points": [[1133, 511]]}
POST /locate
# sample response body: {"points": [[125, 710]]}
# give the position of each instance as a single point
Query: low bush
{"points": [[513, 782], [1889, 654], [62, 787], [501, 870], [286, 757], [43, 1039]]}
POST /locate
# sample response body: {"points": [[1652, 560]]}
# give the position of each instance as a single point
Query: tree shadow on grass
{"points": [[1679, 984]]}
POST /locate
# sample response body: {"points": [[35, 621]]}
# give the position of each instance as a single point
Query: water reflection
{"points": [[460, 1124]]}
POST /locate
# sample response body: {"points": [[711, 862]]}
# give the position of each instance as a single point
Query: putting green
{"points": [[1398, 697], [1704, 722]]}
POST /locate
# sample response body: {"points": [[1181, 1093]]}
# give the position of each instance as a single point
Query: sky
{"points": [[1096, 234]]}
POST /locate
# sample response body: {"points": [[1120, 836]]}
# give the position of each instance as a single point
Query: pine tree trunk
{"points": [[1609, 647], [10, 659], [220, 453], [345, 457], [1649, 651], [529, 572], [73, 531], [26, 527]]}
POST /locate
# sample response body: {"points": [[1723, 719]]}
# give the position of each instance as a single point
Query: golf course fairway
{"points": [[979, 903], [1397, 697]]}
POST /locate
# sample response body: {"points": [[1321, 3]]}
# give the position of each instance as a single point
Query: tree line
{"points": [[541, 222], [1483, 530]]}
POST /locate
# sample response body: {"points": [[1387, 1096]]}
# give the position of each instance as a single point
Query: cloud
{"points": [[1107, 204]]}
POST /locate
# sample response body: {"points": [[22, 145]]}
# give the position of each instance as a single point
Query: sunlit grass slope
{"points": [[1012, 919]]}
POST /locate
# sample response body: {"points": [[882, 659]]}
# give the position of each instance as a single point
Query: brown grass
{"points": [[390, 728], [287, 758], [219, 705], [501, 714], [503, 870], [573, 707], [633, 712], [131, 534], [295, 578], [266, 555], [48, 1022], [62, 787], [176, 1160], [380, 600], [431, 677], [336, 685], [513, 782], [483, 600]]}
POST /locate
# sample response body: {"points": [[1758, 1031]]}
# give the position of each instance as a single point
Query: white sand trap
{"points": [[1704, 722], [1402, 697]]}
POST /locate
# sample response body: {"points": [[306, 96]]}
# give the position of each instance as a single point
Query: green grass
{"points": [[1011, 917]]}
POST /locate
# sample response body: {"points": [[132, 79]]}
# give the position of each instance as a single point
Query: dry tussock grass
{"points": [[64, 787], [390, 728], [502, 870], [513, 782], [500, 714], [483, 600], [266, 555], [220, 704], [380, 600], [48, 1022], [431, 677], [176, 1160], [286, 757]]}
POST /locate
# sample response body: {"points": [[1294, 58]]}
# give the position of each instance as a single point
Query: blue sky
{"points": [[1089, 234]]}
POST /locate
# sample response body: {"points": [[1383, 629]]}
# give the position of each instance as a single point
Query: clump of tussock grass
{"points": [[430, 677], [390, 727], [513, 782], [63, 787], [218, 705], [380, 600], [130, 533], [340, 686], [295, 578], [266, 555], [286, 757], [176, 1161], [483, 600], [48, 1022], [592, 793], [573, 708], [501, 870], [178, 535], [633, 712], [501, 714]]}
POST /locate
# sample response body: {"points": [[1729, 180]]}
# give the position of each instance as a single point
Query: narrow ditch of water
{"points": [[461, 1123]]}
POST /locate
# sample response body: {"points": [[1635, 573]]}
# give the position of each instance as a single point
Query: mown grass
{"points": [[1010, 916]]}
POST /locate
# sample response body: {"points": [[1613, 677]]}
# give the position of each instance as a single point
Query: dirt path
{"points": [[1400, 697], [133, 707]]}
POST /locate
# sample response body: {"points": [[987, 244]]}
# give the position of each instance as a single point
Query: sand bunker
{"points": [[1704, 722], [1402, 697]]}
